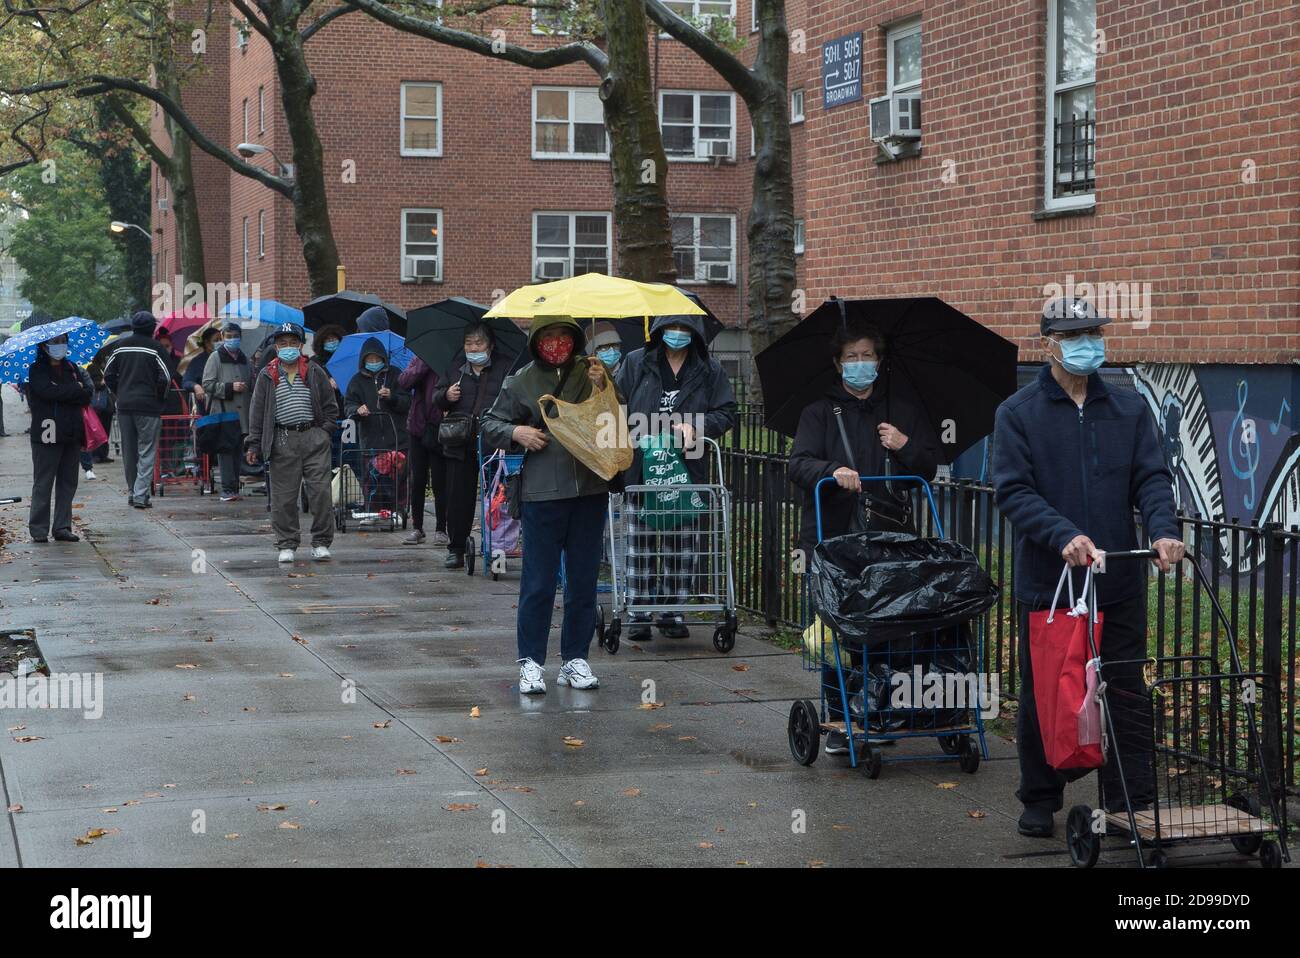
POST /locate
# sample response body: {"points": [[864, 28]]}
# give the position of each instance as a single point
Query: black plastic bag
{"points": [[875, 586]]}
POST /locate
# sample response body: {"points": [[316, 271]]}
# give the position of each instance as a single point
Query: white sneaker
{"points": [[90, 473], [577, 673], [286, 555], [530, 678], [320, 553]]}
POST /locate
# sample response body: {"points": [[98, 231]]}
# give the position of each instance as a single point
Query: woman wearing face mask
{"points": [[469, 389], [57, 391], [323, 344], [227, 381], [376, 402], [902, 444], [607, 346], [679, 389], [192, 382]]}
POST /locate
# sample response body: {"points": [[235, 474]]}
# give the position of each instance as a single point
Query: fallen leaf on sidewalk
{"points": [[631, 792], [481, 772], [14, 808], [233, 835], [475, 713], [17, 728], [686, 738], [740, 667], [445, 739], [249, 708], [109, 811], [130, 801], [28, 738], [386, 723], [841, 828], [572, 742], [406, 771], [660, 726], [299, 639], [947, 785], [313, 801], [976, 813], [461, 806], [186, 665], [153, 601], [187, 697], [153, 794], [286, 675], [704, 844], [276, 807], [652, 705], [816, 863], [288, 825]]}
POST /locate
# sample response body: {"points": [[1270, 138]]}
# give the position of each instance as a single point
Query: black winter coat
{"points": [[138, 375], [57, 396], [385, 427], [477, 393]]}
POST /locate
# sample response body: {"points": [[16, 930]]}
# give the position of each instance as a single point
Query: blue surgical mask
{"points": [[288, 354], [477, 359], [676, 339], [860, 375], [610, 356], [1083, 355], [58, 350], [332, 345], [375, 367], [232, 344]]}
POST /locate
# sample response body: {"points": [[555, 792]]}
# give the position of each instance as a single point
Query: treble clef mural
{"points": [[1243, 450]]}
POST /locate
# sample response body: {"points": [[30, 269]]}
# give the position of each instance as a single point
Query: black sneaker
{"points": [[66, 537], [673, 627], [837, 743], [454, 560], [639, 630], [1036, 821]]}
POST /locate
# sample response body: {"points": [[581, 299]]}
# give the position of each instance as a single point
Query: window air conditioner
{"points": [[713, 149], [549, 268], [717, 272], [419, 269], [896, 119]]}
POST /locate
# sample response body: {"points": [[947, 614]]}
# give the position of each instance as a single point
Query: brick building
{"points": [[452, 174], [1151, 150]]}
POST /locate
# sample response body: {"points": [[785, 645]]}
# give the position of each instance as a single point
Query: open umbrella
{"points": [[181, 323], [436, 333], [343, 364], [632, 331], [595, 296], [936, 357], [266, 312], [344, 307], [17, 353], [119, 325]]}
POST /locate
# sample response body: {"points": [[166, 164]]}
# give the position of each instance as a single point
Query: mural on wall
{"points": [[1229, 440]]}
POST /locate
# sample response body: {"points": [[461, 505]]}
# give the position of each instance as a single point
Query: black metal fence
{"points": [[1255, 570]]}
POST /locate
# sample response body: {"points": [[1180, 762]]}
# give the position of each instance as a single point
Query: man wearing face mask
{"points": [[1072, 459], [227, 381]]}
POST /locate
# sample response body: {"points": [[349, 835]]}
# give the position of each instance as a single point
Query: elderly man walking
{"points": [[137, 375], [290, 424], [1072, 459]]}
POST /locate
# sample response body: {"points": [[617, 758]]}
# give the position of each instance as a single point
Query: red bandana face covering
{"points": [[557, 350]]}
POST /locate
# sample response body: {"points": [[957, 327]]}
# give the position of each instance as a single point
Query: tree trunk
{"points": [[180, 178], [311, 217], [638, 165], [771, 218]]}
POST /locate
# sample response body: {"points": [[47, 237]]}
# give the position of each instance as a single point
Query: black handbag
{"points": [[454, 430], [882, 511]]}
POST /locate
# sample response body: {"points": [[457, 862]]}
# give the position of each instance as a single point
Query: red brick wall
{"points": [[1186, 93]]}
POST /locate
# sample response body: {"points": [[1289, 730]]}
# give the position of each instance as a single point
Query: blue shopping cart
{"points": [[500, 536]]}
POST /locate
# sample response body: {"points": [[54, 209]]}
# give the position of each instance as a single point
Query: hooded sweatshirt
{"points": [[552, 473], [385, 427], [373, 320]]}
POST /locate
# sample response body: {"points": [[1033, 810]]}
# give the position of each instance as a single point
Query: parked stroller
{"points": [[898, 639]]}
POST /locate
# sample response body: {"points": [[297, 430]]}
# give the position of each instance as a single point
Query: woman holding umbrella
{"points": [[856, 429], [58, 390]]}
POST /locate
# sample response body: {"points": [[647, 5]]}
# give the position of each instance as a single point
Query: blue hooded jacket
{"points": [[1060, 471]]}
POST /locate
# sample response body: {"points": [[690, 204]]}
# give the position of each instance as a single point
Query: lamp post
{"points": [[117, 226], [248, 150]]}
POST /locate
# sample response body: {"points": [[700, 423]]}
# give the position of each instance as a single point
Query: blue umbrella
{"points": [[17, 353], [343, 364], [268, 312]]}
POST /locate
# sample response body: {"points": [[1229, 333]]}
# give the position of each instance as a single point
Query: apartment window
{"points": [[421, 245], [702, 10], [697, 125], [245, 139], [569, 123], [421, 119], [261, 233], [753, 140], [552, 20], [570, 244], [798, 238], [245, 249], [753, 16], [796, 106], [261, 109], [1071, 141], [704, 248]]}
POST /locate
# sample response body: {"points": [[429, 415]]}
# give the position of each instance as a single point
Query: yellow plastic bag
{"points": [[819, 641], [594, 431]]}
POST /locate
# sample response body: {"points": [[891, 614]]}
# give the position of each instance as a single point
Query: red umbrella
{"points": [[180, 324]]}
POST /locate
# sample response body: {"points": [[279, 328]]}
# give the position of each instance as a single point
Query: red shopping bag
{"points": [[1068, 712], [95, 434]]}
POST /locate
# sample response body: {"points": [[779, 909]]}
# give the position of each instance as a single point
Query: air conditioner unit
{"points": [[717, 272], [549, 268], [895, 120], [713, 149], [164, 204], [420, 269]]}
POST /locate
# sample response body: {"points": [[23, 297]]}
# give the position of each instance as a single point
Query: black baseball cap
{"points": [[1068, 315]]}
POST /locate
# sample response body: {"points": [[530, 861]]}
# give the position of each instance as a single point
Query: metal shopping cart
{"points": [[670, 554], [1189, 760], [500, 535], [912, 674], [178, 460], [372, 489]]}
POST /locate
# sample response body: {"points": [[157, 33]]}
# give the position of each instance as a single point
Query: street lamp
{"points": [[247, 150], [117, 226]]}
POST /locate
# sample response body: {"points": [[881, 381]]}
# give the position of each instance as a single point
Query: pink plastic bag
{"points": [[95, 434], [1089, 714]]}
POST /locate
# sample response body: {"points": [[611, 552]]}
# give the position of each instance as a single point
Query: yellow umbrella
{"points": [[595, 296]]}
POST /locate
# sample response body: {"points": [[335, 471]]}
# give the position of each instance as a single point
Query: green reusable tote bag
{"points": [[662, 465]]}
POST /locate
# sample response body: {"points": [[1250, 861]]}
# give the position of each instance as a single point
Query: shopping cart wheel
{"points": [[968, 755], [869, 761], [610, 642], [804, 730], [1245, 844], [600, 625], [724, 639], [1083, 842], [951, 744], [1270, 854]]}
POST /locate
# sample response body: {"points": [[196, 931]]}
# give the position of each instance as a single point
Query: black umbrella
{"points": [[436, 333], [344, 307], [37, 318], [119, 325], [632, 330], [937, 357]]}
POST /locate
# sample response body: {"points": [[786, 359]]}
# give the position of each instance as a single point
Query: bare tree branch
{"points": [[311, 29], [727, 64]]}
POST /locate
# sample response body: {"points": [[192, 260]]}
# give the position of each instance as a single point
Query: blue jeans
{"points": [[572, 528]]}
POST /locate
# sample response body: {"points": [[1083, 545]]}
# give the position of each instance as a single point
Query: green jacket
{"points": [[552, 473]]}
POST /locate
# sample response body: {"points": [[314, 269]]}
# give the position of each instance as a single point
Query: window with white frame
{"points": [[704, 248], [1071, 128], [552, 18], [753, 16], [421, 119], [569, 123], [798, 237], [796, 106], [261, 233], [702, 10], [245, 139], [261, 109], [245, 249], [698, 125], [569, 244], [421, 246]]}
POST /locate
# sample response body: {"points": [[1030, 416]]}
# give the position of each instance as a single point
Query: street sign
{"points": [[842, 70]]}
